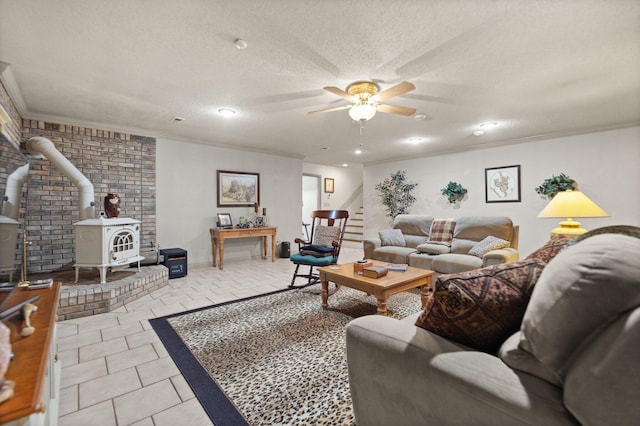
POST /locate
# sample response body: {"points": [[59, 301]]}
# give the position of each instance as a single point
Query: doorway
{"points": [[310, 199]]}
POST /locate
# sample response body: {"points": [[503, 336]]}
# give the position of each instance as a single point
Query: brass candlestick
{"points": [[23, 273]]}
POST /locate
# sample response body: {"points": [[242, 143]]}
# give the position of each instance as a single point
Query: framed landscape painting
{"points": [[238, 189], [502, 184]]}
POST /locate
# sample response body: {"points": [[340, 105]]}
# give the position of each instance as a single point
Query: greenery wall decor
{"points": [[454, 192], [395, 194], [550, 187]]}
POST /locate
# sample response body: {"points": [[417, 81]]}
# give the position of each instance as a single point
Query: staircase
{"points": [[354, 231]]}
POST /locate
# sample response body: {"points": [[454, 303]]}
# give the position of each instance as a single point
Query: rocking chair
{"points": [[327, 230]]}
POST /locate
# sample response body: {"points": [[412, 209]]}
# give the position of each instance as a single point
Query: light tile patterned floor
{"points": [[115, 370]]}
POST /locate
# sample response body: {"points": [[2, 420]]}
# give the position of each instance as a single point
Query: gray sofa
{"points": [[573, 361], [468, 231]]}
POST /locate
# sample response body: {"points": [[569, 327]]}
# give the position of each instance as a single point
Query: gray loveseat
{"points": [[573, 361], [468, 232]]}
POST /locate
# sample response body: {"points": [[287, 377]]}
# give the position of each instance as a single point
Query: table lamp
{"points": [[571, 204]]}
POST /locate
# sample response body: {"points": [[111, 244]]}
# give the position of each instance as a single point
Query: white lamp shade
{"points": [[362, 111]]}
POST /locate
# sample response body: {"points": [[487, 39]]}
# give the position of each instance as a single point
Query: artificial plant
{"points": [[550, 187], [395, 194], [454, 192]]}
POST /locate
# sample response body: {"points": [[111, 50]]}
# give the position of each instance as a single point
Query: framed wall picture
{"points": [[238, 189], [328, 185], [224, 220], [502, 184]]}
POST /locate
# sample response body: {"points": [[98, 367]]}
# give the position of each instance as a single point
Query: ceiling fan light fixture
{"points": [[362, 111]]}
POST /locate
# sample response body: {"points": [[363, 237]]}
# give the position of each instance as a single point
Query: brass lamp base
{"points": [[569, 227]]}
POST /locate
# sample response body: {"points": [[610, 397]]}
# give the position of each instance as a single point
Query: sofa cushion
{"points": [[481, 308], [585, 287], [413, 224], [393, 254], [421, 260], [415, 240], [511, 354], [550, 249], [392, 237], [326, 235], [606, 372], [452, 263], [471, 229], [441, 231], [487, 244], [431, 248]]}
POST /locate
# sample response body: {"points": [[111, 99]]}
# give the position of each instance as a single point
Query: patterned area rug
{"points": [[273, 359]]}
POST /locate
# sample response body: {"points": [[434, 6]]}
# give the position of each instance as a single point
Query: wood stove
{"points": [[107, 243]]}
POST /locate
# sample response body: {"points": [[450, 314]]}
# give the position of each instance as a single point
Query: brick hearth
{"points": [[84, 300]]}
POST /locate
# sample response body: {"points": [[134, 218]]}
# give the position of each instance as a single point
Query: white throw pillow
{"points": [[487, 244]]}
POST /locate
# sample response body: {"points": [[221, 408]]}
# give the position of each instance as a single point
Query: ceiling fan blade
{"points": [[339, 92], [394, 109], [330, 109], [397, 90]]}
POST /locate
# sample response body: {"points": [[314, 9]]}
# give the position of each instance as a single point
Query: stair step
{"points": [[352, 240]]}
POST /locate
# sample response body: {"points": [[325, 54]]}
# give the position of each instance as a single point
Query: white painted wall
{"points": [[186, 197], [346, 181], [311, 198], [605, 164]]}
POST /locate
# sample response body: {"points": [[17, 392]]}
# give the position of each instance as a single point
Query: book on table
{"points": [[375, 271], [399, 267]]}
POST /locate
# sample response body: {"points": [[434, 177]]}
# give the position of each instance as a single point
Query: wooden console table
{"points": [[218, 235], [35, 367]]}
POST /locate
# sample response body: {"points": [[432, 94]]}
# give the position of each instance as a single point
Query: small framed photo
{"points": [[224, 221], [238, 189], [502, 184], [328, 185]]}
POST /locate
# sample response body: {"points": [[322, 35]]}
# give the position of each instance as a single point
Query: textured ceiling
{"points": [[538, 68]]}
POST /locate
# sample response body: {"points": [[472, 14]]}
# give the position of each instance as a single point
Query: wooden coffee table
{"points": [[383, 287]]}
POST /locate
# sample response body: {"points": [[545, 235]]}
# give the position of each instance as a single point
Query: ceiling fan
{"points": [[366, 100]]}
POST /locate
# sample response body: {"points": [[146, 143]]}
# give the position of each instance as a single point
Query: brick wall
{"points": [[113, 162]]}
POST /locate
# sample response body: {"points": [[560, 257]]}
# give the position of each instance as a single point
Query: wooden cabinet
{"points": [[35, 367]]}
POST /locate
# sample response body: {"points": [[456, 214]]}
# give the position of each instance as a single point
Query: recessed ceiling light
{"points": [[240, 44], [226, 112], [420, 116], [177, 119], [488, 125], [345, 165], [358, 151], [415, 140], [325, 148], [478, 133]]}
